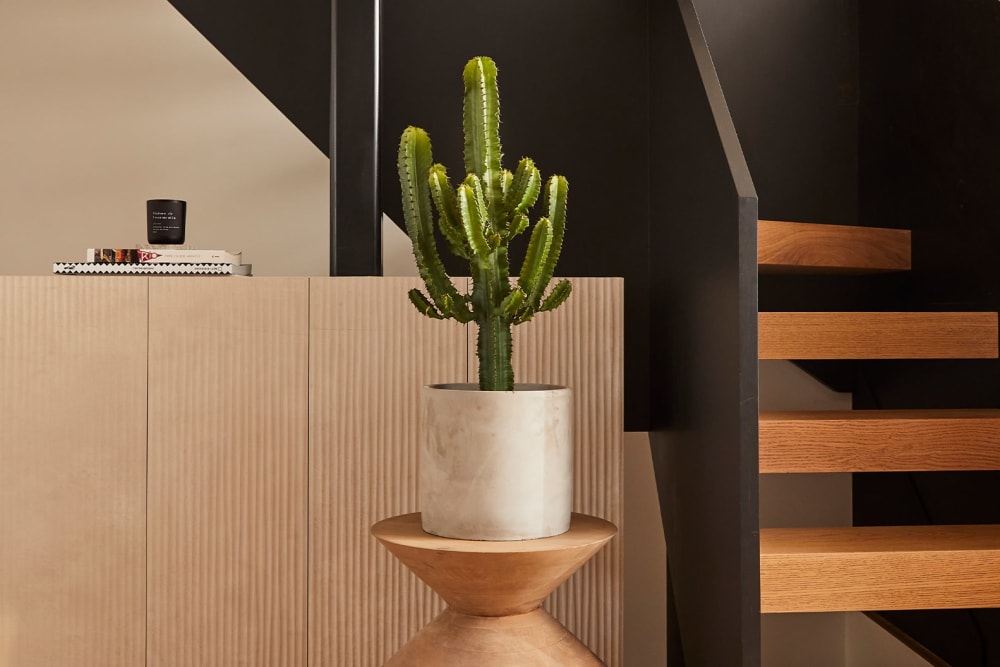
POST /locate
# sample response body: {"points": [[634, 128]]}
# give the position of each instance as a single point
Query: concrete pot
{"points": [[496, 465]]}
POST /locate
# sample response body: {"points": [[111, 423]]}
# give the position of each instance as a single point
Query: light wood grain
{"points": [[807, 335], [879, 440], [879, 568], [486, 578], [534, 639], [72, 471], [494, 591], [797, 247], [228, 428]]}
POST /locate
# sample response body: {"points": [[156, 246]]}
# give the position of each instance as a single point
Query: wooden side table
{"points": [[494, 592]]}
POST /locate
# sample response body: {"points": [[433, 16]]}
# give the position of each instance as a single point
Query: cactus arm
{"points": [[479, 198], [556, 191], [506, 178], [414, 162], [557, 296], [557, 194], [470, 211], [481, 123], [523, 192], [539, 248], [517, 225], [512, 303], [421, 303], [449, 219]]}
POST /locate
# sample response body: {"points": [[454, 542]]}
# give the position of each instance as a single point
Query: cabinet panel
{"points": [[228, 456], [72, 471], [281, 417], [371, 351]]}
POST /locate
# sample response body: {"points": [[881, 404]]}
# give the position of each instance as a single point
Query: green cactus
{"points": [[478, 219]]}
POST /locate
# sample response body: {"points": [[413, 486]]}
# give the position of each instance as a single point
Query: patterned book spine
{"points": [[165, 269], [162, 256]]}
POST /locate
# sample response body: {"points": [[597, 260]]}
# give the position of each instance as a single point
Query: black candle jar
{"points": [[165, 220]]}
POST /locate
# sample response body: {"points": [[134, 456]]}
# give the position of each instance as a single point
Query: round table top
{"points": [[405, 530]]}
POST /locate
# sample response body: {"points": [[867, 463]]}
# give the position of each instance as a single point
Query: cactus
{"points": [[478, 218]]}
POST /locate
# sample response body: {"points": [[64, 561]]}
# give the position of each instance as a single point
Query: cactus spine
{"points": [[478, 219]]}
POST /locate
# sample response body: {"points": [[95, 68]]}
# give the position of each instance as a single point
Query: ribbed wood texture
{"points": [[579, 345], [894, 567], [799, 247], [72, 471], [877, 335], [228, 429], [370, 353], [879, 440], [493, 578], [493, 590], [277, 425]]}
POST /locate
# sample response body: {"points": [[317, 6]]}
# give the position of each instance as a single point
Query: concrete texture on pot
{"points": [[496, 465]]}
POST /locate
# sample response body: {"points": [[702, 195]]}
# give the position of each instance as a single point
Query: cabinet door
{"points": [[72, 471], [228, 430], [371, 351]]}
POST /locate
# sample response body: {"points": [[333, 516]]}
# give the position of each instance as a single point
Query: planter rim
{"points": [[518, 387]]}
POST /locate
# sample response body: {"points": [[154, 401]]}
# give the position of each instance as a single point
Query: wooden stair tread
{"points": [[879, 568], [866, 335], [879, 440], [801, 247]]}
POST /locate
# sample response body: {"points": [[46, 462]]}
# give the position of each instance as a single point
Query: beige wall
{"points": [[645, 560], [107, 103]]}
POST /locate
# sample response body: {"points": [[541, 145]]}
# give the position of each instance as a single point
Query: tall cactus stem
{"points": [[494, 347]]}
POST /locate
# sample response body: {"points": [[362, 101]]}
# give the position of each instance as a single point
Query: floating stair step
{"points": [[879, 568], [802, 247], [879, 440], [877, 335]]}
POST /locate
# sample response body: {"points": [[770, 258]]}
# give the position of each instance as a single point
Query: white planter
{"points": [[496, 465]]}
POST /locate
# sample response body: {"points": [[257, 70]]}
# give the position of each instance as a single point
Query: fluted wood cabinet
{"points": [[189, 466]]}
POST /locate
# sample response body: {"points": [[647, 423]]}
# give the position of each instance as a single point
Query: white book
{"points": [[162, 255]]}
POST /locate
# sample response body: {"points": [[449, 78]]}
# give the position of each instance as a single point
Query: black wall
{"points": [[573, 78], [930, 161], [931, 141], [789, 71]]}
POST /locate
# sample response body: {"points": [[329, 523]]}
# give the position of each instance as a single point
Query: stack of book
{"points": [[157, 260]]}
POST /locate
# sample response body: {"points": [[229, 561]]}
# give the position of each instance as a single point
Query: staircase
{"points": [[888, 567]]}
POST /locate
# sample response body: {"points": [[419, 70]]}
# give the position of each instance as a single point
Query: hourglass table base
{"points": [[535, 639], [494, 591]]}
